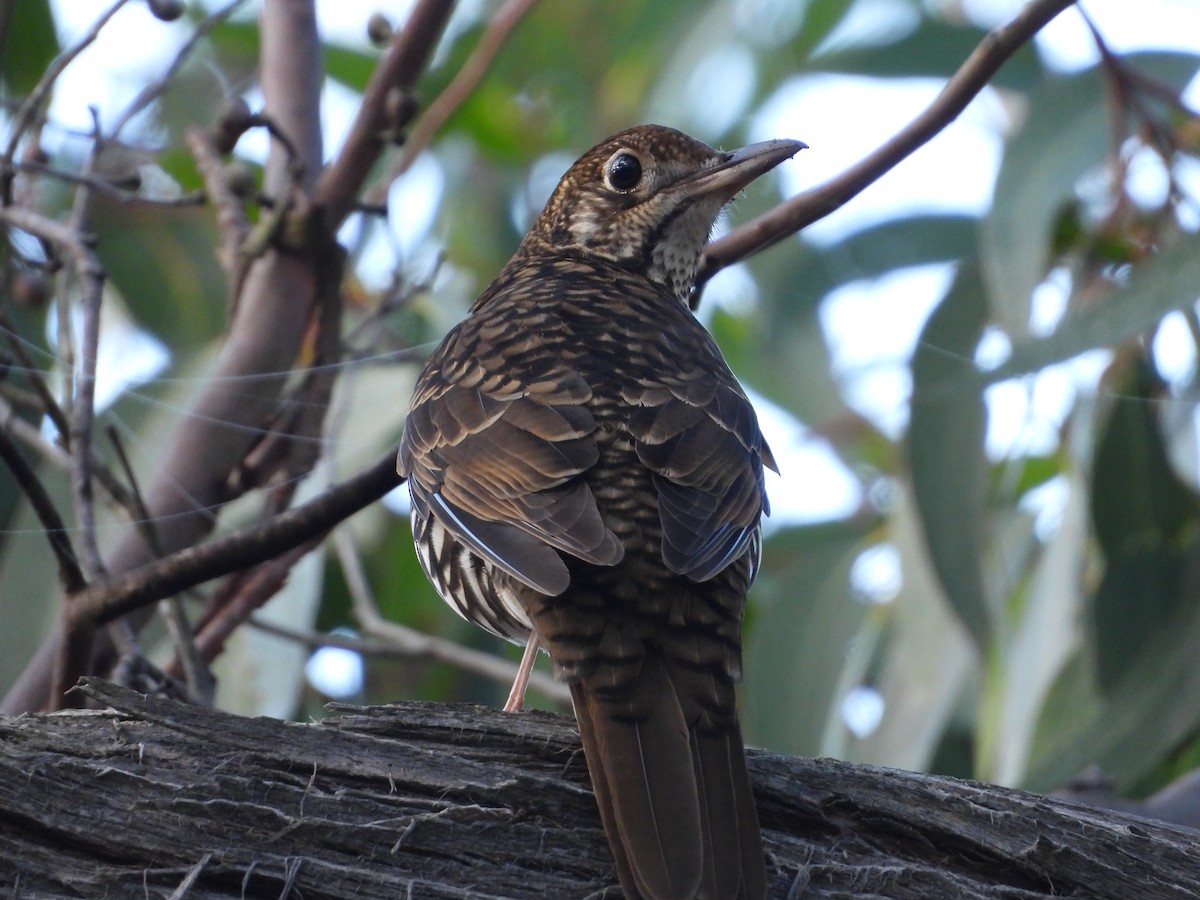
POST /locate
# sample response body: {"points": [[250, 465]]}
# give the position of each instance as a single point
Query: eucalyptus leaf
{"points": [[804, 620], [164, 264], [29, 46], [1045, 631], [1127, 727], [1132, 691], [900, 243], [1145, 516], [932, 49], [1162, 284], [946, 450], [1067, 132], [1138, 501], [930, 663]]}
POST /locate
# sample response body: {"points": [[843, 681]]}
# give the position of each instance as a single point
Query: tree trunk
{"points": [[151, 796]]}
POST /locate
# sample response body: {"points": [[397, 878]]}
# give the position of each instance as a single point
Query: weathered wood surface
{"points": [[153, 798]]}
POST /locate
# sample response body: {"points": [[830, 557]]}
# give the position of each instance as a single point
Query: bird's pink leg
{"points": [[516, 697]]}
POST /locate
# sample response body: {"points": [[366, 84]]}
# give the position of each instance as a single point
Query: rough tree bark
{"points": [[152, 798]]}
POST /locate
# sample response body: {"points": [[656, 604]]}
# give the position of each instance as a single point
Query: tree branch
{"points": [[502, 23], [430, 800], [276, 298], [28, 113], [69, 573], [385, 110], [292, 72], [972, 77], [186, 568]]}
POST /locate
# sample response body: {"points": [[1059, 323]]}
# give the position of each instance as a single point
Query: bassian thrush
{"points": [[584, 466]]}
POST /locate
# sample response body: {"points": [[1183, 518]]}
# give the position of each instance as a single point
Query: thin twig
{"points": [[365, 646], [63, 236], [49, 405], [414, 644], [28, 112], [192, 566], [126, 195], [29, 435], [232, 221], [455, 94], [91, 281], [151, 92], [377, 119], [256, 588], [69, 573], [195, 672], [804, 209], [79, 389]]}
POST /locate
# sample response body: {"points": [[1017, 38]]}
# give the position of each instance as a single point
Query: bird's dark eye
{"points": [[624, 172]]}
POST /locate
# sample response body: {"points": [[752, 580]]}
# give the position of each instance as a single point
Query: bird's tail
{"points": [[673, 790]]}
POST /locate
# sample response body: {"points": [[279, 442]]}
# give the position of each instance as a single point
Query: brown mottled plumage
{"points": [[583, 463]]}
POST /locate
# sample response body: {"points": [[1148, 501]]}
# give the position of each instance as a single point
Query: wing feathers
{"points": [[708, 470], [519, 554], [504, 475]]}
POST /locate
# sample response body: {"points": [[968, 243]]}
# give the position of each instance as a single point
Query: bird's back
{"points": [[651, 654]]}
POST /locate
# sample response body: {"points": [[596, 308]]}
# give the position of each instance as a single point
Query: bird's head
{"points": [[647, 199]]}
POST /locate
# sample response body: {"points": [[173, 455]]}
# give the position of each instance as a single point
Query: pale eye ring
{"points": [[623, 172]]}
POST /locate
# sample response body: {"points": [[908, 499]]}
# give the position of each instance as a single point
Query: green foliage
{"points": [[948, 467], [802, 626], [1014, 649], [30, 46], [1068, 133]]}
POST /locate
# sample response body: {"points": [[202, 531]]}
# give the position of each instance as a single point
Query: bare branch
{"points": [[29, 111], [191, 566], [804, 209], [232, 221], [32, 438], [123, 191], [256, 588], [199, 679], [27, 479], [292, 73], [456, 93], [153, 91], [91, 279], [277, 298], [414, 644], [384, 111]]}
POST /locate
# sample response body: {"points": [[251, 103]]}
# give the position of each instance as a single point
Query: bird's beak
{"points": [[741, 167]]}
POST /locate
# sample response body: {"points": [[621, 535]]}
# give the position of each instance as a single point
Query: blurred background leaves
{"points": [[997, 591]]}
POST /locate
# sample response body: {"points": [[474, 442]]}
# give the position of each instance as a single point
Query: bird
{"points": [[587, 477]]}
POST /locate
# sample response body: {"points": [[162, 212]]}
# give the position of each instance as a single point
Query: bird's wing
{"points": [[700, 438], [498, 462]]}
